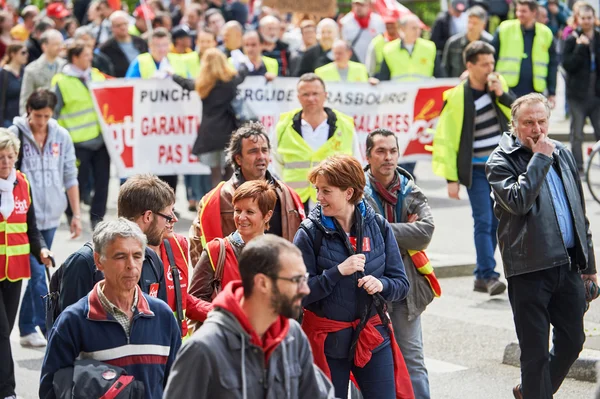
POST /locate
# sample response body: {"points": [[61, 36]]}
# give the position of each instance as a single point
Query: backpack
{"points": [[96, 380], [52, 299]]}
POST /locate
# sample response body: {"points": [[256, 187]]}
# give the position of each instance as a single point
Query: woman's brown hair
{"points": [[11, 50], [213, 68], [343, 172], [261, 192]]}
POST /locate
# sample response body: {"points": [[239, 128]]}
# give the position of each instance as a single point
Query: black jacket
{"points": [[464, 160], [120, 62], [218, 116], [34, 48], [314, 58], [529, 235], [440, 31], [576, 61], [80, 275]]}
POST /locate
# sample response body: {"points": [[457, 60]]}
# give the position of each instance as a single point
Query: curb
{"points": [[449, 271], [584, 368]]}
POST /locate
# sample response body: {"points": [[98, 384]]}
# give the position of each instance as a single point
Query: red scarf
{"points": [[389, 196], [363, 22], [317, 328]]}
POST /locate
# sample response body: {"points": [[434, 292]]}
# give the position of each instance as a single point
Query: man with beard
{"points": [[269, 28], [248, 342], [249, 153], [147, 201]]}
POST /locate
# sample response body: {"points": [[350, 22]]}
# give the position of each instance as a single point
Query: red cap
{"points": [[57, 10], [143, 11], [390, 17]]}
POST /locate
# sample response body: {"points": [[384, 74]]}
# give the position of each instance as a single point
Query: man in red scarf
{"points": [[360, 26], [250, 346]]}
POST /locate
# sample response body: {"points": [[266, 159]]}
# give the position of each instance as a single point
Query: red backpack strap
{"points": [[120, 384]]}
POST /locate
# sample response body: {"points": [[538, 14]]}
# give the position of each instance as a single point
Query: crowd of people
{"points": [[305, 267]]}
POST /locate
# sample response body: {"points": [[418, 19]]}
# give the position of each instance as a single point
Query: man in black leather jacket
{"points": [[545, 242]]}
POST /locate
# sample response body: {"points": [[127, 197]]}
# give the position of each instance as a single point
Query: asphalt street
{"points": [[465, 333]]}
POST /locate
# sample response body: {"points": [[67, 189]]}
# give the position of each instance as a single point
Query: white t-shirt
{"points": [[351, 29]]}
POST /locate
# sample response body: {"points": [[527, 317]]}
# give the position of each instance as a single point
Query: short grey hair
{"points": [[530, 98], [268, 19], [327, 22], [108, 231], [50, 34], [409, 18], [477, 12], [83, 31], [9, 141], [342, 43], [118, 15]]}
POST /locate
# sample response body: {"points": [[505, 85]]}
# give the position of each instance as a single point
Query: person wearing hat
{"points": [[526, 52], [142, 14], [58, 13], [558, 15], [360, 26], [374, 57], [449, 23], [182, 40]]}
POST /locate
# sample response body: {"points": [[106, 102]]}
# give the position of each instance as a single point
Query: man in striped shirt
{"points": [[475, 114], [116, 323]]}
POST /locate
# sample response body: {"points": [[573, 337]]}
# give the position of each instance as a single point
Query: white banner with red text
{"points": [[149, 126], [411, 110]]}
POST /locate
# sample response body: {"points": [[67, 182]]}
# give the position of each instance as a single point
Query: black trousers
{"points": [[552, 296], [9, 303], [97, 164]]}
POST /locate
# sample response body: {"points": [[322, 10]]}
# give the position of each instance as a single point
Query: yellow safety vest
{"points": [[271, 64], [78, 115], [148, 66], [357, 72], [299, 158], [192, 63], [512, 53], [446, 141], [378, 44], [134, 31], [410, 67]]}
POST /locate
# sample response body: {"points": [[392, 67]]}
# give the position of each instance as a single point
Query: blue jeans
{"points": [[485, 224], [409, 337], [33, 312], [197, 186], [375, 380]]}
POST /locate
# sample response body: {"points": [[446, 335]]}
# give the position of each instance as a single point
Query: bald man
{"points": [[232, 37], [342, 69], [263, 66]]}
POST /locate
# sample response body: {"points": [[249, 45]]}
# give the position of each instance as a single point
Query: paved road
{"points": [[465, 333]]}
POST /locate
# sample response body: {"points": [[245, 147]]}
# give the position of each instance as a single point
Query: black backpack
{"points": [[96, 380]]}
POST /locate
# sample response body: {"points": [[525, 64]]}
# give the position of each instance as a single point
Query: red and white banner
{"points": [[411, 110], [149, 126]]}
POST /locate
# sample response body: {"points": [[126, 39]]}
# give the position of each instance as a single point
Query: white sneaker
{"points": [[11, 397], [35, 340]]}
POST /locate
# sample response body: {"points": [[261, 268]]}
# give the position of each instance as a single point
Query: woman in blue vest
{"points": [[20, 237], [355, 267]]}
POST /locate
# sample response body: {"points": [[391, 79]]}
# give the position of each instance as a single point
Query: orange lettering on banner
{"points": [[170, 154], [169, 125]]}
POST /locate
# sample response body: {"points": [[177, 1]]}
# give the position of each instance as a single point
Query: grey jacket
{"points": [[38, 75], [220, 362], [415, 236], [452, 57], [50, 171], [529, 235]]}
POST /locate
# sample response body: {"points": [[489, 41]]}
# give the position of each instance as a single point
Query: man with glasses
{"points": [[147, 201], [304, 137], [257, 315]]}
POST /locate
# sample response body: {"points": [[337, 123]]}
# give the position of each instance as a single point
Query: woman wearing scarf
{"points": [[355, 267], [20, 237], [253, 205]]}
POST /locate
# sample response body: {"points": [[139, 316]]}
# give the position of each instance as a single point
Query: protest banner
{"points": [[149, 125], [411, 110], [327, 8]]}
